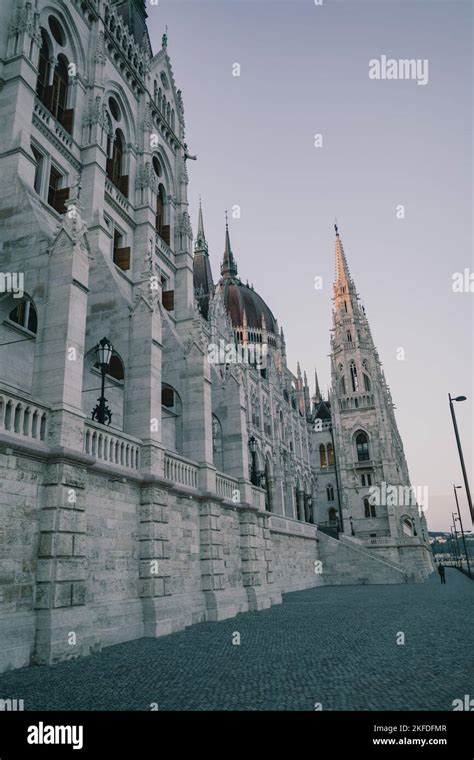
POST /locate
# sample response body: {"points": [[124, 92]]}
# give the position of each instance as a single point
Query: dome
{"points": [[239, 298]]}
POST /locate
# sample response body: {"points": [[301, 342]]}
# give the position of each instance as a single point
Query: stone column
{"points": [[155, 566], [197, 416], [143, 383], [65, 628], [300, 505], [212, 559], [58, 370]]}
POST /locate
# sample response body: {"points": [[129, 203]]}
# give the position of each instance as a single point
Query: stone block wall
{"points": [[20, 482], [91, 557]]}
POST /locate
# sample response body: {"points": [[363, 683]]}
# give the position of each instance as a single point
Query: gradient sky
{"points": [[304, 70]]}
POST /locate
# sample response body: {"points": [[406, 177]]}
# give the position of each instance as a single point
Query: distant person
{"points": [[442, 573]]}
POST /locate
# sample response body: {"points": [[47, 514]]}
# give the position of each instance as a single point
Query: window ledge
{"points": [[19, 328]]}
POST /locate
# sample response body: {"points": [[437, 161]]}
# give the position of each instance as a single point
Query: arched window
{"points": [[217, 444], [117, 157], [407, 527], [330, 492], [24, 314], [342, 383], [60, 89], [349, 337], [160, 226], [322, 456], [116, 369], [171, 419], [159, 99], [110, 138], [330, 455], [362, 445], [43, 90], [115, 162], [155, 91], [354, 378], [332, 516], [369, 509], [366, 382]]}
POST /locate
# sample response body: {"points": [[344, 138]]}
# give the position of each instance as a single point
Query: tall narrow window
{"points": [[44, 70], [330, 455], [362, 445], [39, 158], [55, 179], [330, 492], [369, 509], [117, 158], [322, 456], [366, 382], [354, 378], [60, 89], [349, 337], [162, 229], [160, 210]]}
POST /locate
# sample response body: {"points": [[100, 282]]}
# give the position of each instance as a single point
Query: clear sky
{"points": [[304, 70]]}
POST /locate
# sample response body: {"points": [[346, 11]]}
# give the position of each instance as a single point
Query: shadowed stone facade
{"points": [[200, 499]]}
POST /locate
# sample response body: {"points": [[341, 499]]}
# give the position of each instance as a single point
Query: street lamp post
{"points": [[458, 553], [462, 529], [461, 457], [104, 351], [253, 450]]}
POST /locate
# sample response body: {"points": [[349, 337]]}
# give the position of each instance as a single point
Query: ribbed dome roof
{"points": [[239, 297]]}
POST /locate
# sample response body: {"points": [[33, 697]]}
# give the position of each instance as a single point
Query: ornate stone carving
{"points": [[146, 178], [26, 19], [100, 56]]}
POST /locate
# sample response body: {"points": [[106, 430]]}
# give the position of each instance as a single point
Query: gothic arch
{"points": [[127, 122], [168, 174], [407, 526], [73, 49]]}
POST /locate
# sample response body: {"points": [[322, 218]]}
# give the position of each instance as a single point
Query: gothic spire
{"points": [[317, 394], [200, 243], [228, 266], [343, 275]]}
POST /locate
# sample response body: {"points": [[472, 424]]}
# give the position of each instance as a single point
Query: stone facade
{"points": [[199, 500]]}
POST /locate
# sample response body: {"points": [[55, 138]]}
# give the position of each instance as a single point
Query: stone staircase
{"points": [[347, 563]]}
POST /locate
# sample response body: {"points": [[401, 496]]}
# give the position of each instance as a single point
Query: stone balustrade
{"points": [[226, 486], [20, 416], [114, 447], [181, 471]]}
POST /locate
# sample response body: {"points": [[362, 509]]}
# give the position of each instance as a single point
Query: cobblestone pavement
{"points": [[335, 646]]}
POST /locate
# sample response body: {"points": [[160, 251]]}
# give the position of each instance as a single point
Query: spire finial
{"points": [[335, 225], [200, 243], [228, 267]]}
